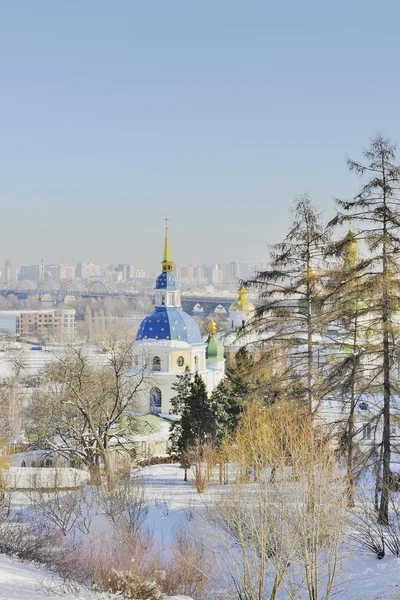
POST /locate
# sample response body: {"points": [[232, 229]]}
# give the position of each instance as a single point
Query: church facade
{"points": [[168, 341]]}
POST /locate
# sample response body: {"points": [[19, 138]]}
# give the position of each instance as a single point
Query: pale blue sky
{"points": [[217, 112]]}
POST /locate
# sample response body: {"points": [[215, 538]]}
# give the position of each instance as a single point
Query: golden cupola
{"points": [[242, 304]]}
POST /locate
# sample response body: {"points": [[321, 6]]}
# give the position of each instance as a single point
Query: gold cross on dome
{"points": [[166, 219]]}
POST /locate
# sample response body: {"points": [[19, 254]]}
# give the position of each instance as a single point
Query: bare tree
{"points": [[280, 525], [94, 406], [126, 505]]}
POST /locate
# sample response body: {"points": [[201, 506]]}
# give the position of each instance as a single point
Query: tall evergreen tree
{"points": [[195, 424], [290, 294], [376, 208]]}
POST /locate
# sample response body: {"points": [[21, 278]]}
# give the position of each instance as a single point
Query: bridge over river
{"points": [[57, 292]]}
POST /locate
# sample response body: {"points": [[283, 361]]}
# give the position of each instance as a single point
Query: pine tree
{"points": [[376, 208]]}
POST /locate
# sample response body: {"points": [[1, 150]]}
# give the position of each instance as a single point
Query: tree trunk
{"points": [[94, 472], [384, 504], [309, 343], [109, 470], [378, 479], [350, 436]]}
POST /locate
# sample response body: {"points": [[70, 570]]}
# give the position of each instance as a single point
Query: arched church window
{"points": [[163, 300], [180, 361], [196, 363], [156, 363], [155, 400], [136, 359]]}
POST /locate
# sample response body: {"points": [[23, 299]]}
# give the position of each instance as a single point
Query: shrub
{"points": [[125, 506], [129, 585]]}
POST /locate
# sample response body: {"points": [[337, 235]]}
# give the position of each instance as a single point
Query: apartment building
{"points": [[53, 323], [60, 271]]}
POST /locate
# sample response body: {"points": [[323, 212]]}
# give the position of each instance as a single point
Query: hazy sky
{"points": [[217, 112]]}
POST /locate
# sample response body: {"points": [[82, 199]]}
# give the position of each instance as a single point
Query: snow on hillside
{"points": [[172, 502], [22, 581], [363, 577]]}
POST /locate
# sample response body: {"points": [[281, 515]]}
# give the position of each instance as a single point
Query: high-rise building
{"points": [[187, 272], [217, 276], [199, 272], [10, 271], [225, 268], [244, 271], [178, 271], [58, 272], [129, 272], [140, 274], [85, 270], [234, 272], [31, 272], [69, 272]]}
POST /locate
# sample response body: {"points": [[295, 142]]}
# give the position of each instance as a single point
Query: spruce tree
{"points": [[195, 424]]}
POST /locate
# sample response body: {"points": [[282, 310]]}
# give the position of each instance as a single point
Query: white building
{"points": [[168, 341]]}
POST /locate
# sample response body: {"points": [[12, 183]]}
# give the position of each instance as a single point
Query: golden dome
{"points": [[242, 304], [212, 328]]}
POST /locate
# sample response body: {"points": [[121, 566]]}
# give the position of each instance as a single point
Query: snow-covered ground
{"points": [[363, 577], [173, 501], [21, 581]]}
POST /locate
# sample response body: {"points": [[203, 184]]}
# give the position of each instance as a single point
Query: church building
{"points": [[169, 340]]}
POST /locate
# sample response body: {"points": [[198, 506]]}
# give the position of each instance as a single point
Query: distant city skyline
{"points": [[216, 274], [218, 113]]}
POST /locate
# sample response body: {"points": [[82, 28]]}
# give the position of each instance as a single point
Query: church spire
{"points": [[167, 264]]}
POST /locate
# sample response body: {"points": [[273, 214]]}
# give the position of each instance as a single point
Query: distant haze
{"points": [[216, 112]]}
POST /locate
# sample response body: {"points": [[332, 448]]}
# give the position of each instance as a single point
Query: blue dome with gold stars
{"points": [[169, 323], [167, 281]]}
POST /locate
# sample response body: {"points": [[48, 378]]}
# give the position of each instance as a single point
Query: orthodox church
{"points": [[240, 335], [169, 340]]}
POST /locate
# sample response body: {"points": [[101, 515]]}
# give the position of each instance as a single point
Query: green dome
{"points": [[214, 350]]}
